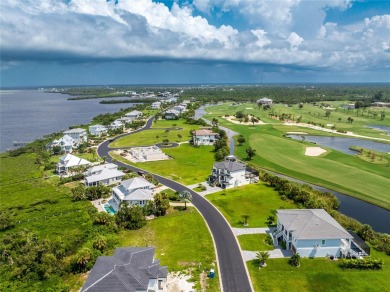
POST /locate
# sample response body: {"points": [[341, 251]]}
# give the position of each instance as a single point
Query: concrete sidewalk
{"points": [[241, 231]]}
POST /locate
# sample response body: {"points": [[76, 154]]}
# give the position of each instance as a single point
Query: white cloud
{"points": [[142, 29]]}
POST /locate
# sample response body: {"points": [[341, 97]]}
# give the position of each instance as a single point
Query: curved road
{"points": [[233, 273]]}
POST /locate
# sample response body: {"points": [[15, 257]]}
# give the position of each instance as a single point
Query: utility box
{"points": [[212, 274]]}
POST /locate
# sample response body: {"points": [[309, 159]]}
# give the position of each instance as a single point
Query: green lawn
{"points": [[254, 242], [182, 242], [149, 137], [256, 200], [335, 170], [189, 165], [318, 275]]}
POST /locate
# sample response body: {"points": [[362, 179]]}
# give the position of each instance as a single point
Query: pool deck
{"points": [[98, 204]]}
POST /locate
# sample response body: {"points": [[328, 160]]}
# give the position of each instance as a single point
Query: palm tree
{"points": [[262, 256], [157, 138], [245, 218], [185, 195]]}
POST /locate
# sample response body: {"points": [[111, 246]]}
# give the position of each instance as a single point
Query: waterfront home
{"points": [[78, 135], [68, 163], [230, 173], [133, 115], [314, 233], [156, 105], [117, 124], [131, 269], [265, 101], [171, 115], [66, 143], [134, 191], [204, 137], [97, 130], [105, 174]]}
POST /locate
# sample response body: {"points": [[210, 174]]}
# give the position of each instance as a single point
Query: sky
{"points": [[108, 42]]}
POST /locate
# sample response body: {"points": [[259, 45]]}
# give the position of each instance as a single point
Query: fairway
{"points": [[334, 170]]}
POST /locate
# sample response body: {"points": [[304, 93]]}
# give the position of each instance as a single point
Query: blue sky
{"points": [[93, 42]]}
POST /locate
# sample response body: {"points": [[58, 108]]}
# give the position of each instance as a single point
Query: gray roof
{"points": [[136, 183], [105, 174], [76, 130], [129, 269], [311, 224], [139, 195], [230, 165]]}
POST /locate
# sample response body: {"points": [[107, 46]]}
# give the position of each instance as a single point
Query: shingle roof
{"points": [[230, 165], [311, 224], [139, 195], [106, 173], [136, 183], [69, 160], [129, 269], [204, 133]]}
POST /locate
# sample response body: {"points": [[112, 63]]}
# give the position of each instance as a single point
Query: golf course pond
{"points": [[343, 144]]}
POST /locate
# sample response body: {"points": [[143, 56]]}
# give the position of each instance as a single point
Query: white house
{"points": [[66, 143], [313, 233], [117, 124], [156, 105], [204, 137], [171, 115], [131, 269], [97, 130], [78, 135], [179, 108], [133, 115], [69, 161], [134, 191], [230, 174], [105, 174], [265, 101]]}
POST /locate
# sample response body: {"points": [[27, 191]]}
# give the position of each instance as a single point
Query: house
{"points": [[66, 143], [68, 162], [156, 105], [179, 108], [117, 124], [231, 173], [265, 101], [133, 115], [171, 115], [130, 269], [105, 174], [204, 137], [314, 233], [97, 130], [134, 191], [78, 135]]}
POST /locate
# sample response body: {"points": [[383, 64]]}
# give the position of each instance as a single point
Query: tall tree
{"points": [[250, 152], [161, 203]]}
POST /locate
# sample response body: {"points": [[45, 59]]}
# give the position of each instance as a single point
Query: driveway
{"points": [[232, 270]]}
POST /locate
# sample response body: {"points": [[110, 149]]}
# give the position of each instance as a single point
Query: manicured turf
{"points": [[254, 242], [335, 170], [256, 200], [182, 242], [190, 165], [318, 275], [148, 137]]}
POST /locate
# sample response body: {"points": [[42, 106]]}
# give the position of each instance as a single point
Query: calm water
{"points": [[26, 115], [383, 128], [343, 144]]}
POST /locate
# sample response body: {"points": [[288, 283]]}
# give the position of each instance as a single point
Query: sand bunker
{"points": [[314, 151], [296, 133], [234, 120]]}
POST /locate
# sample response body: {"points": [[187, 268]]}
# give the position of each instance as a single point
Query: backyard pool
{"points": [[109, 209]]}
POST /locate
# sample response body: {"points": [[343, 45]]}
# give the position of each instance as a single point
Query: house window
{"points": [[323, 241], [160, 284]]}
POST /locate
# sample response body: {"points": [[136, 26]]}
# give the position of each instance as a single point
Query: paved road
{"points": [[230, 263]]}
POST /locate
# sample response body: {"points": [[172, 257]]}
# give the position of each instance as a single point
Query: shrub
{"points": [[295, 260], [366, 264]]}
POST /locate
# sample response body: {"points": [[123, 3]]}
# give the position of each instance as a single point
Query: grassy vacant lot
{"points": [[182, 242], [254, 242], [318, 275], [256, 200], [28, 196], [189, 165], [341, 172], [148, 137]]}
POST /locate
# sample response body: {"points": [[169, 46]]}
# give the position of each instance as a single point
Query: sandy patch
{"points": [[234, 120], [296, 133], [314, 151], [177, 282], [249, 108]]}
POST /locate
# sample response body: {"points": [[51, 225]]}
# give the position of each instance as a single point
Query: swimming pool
{"points": [[109, 209]]}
